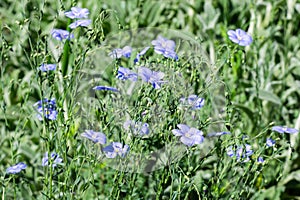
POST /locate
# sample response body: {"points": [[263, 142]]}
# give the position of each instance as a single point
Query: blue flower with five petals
{"points": [[165, 47], [16, 168], [77, 13], [47, 67], [118, 53], [284, 129], [240, 37], [81, 22], [270, 142], [153, 77], [96, 137], [125, 74], [54, 157], [188, 136], [114, 149], [60, 34]]}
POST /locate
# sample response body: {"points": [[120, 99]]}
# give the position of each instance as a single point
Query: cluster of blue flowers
{"points": [[46, 108], [243, 154], [138, 128], [74, 13], [193, 101], [242, 38], [155, 78], [54, 158], [188, 136], [110, 151], [240, 152], [45, 162]]}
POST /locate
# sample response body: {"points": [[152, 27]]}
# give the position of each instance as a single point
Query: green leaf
{"points": [[269, 96]]}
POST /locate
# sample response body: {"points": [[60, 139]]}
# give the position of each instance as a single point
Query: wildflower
{"points": [[140, 54], [96, 137], [46, 108], [77, 13], [54, 157], [188, 136], [240, 153], [106, 88], [151, 77], [16, 168], [116, 148], [125, 73], [137, 127], [240, 37], [283, 129], [165, 47], [81, 22], [194, 101], [47, 67], [230, 152], [118, 53], [60, 34], [270, 142], [217, 134], [260, 160]]}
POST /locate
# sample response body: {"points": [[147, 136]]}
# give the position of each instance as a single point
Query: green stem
{"points": [[66, 53], [65, 58]]}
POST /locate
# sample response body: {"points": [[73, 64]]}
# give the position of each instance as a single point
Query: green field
{"points": [[147, 99]]}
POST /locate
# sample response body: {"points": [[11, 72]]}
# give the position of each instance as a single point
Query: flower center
{"points": [[188, 134], [239, 37], [47, 112]]}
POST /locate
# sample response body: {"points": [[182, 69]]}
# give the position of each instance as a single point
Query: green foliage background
{"points": [[262, 89]]}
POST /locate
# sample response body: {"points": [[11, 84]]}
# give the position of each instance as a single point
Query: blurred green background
{"points": [[262, 80]]}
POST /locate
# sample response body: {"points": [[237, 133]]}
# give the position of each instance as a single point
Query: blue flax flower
{"points": [[165, 47], [77, 13], [188, 136], [270, 142], [47, 67], [283, 129], [194, 101], [155, 78], [140, 54], [106, 88], [240, 37], [118, 53], [60, 34], [54, 157], [81, 22], [116, 148], [16, 168], [260, 160], [125, 73], [138, 128], [46, 108], [217, 134], [96, 137], [240, 152]]}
